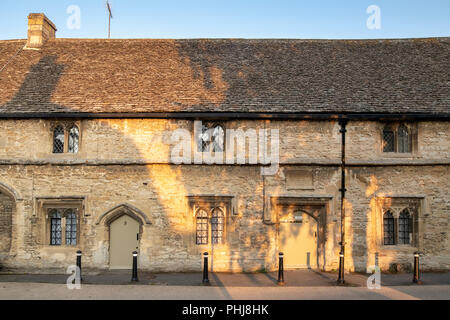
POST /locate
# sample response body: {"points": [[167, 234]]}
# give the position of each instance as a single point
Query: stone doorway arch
{"points": [[8, 198], [301, 224], [123, 227]]}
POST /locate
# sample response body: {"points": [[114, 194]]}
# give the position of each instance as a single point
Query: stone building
{"points": [[91, 131]]}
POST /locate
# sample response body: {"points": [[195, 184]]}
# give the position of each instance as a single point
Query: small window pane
{"points": [[403, 139], [73, 140], [404, 227], [217, 222], [58, 140], [202, 227], [71, 227], [388, 140], [217, 139], [56, 228], [388, 226]]}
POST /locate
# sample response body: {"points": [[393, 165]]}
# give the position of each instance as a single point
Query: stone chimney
{"points": [[40, 29]]}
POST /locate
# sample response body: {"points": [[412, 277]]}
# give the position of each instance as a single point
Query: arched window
{"points": [[56, 228], [217, 222], [404, 141], [389, 228], [58, 140], [73, 139], [202, 227], [404, 227], [71, 227], [211, 135], [388, 139]]}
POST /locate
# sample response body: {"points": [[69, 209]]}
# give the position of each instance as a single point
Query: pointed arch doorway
{"points": [[124, 227], [123, 240]]}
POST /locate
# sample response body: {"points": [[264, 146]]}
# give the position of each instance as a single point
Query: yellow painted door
{"points": [[124, 239], [298, 242]]}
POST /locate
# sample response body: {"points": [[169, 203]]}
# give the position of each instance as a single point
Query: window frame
{"points": [[66, 126], [209, 209], [396, 206], [392, 217], [63, 212], [395, 128], [210, 125], [208, 204], [54, 138], [69, 137], [44, 206]]}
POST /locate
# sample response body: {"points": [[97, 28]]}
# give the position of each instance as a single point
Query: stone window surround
{"points": [[226, 202], [413, 132], [44, 206], [66, 125], [396, 203]]}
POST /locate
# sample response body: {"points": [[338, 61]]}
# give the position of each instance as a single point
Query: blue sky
{"points": [[327, 19]]}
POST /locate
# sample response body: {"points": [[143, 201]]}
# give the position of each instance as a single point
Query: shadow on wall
{"points": [[160, 189]]}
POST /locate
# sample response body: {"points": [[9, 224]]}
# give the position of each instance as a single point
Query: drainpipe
{"points": [[343, 130]]}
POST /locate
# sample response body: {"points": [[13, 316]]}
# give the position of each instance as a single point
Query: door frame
{"points": [[280, 203]]}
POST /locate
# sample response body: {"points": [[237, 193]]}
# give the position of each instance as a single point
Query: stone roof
{"points": [[226, 75]]}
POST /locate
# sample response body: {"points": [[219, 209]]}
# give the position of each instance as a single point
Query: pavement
{"points": [[299, 284], [46, 291], [293, 278]]}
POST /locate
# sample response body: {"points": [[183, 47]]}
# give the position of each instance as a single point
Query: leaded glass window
{"points": [[58, 140], [404, 227], [56, 228], [217, 139], [71, 227], [389, 228], [73, 139], [202, 227], [404, 141], [217, 221], [211, 138], [388, 140]]}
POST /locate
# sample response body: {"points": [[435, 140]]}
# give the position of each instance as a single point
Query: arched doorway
{"points": [[123, 240], [7, 207], [123, 227]]}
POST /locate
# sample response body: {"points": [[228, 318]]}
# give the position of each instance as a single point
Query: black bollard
{"points": [[134, 276], [280, 270], [205, 268], [416, 277], [341, 268], [79, 262]]}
